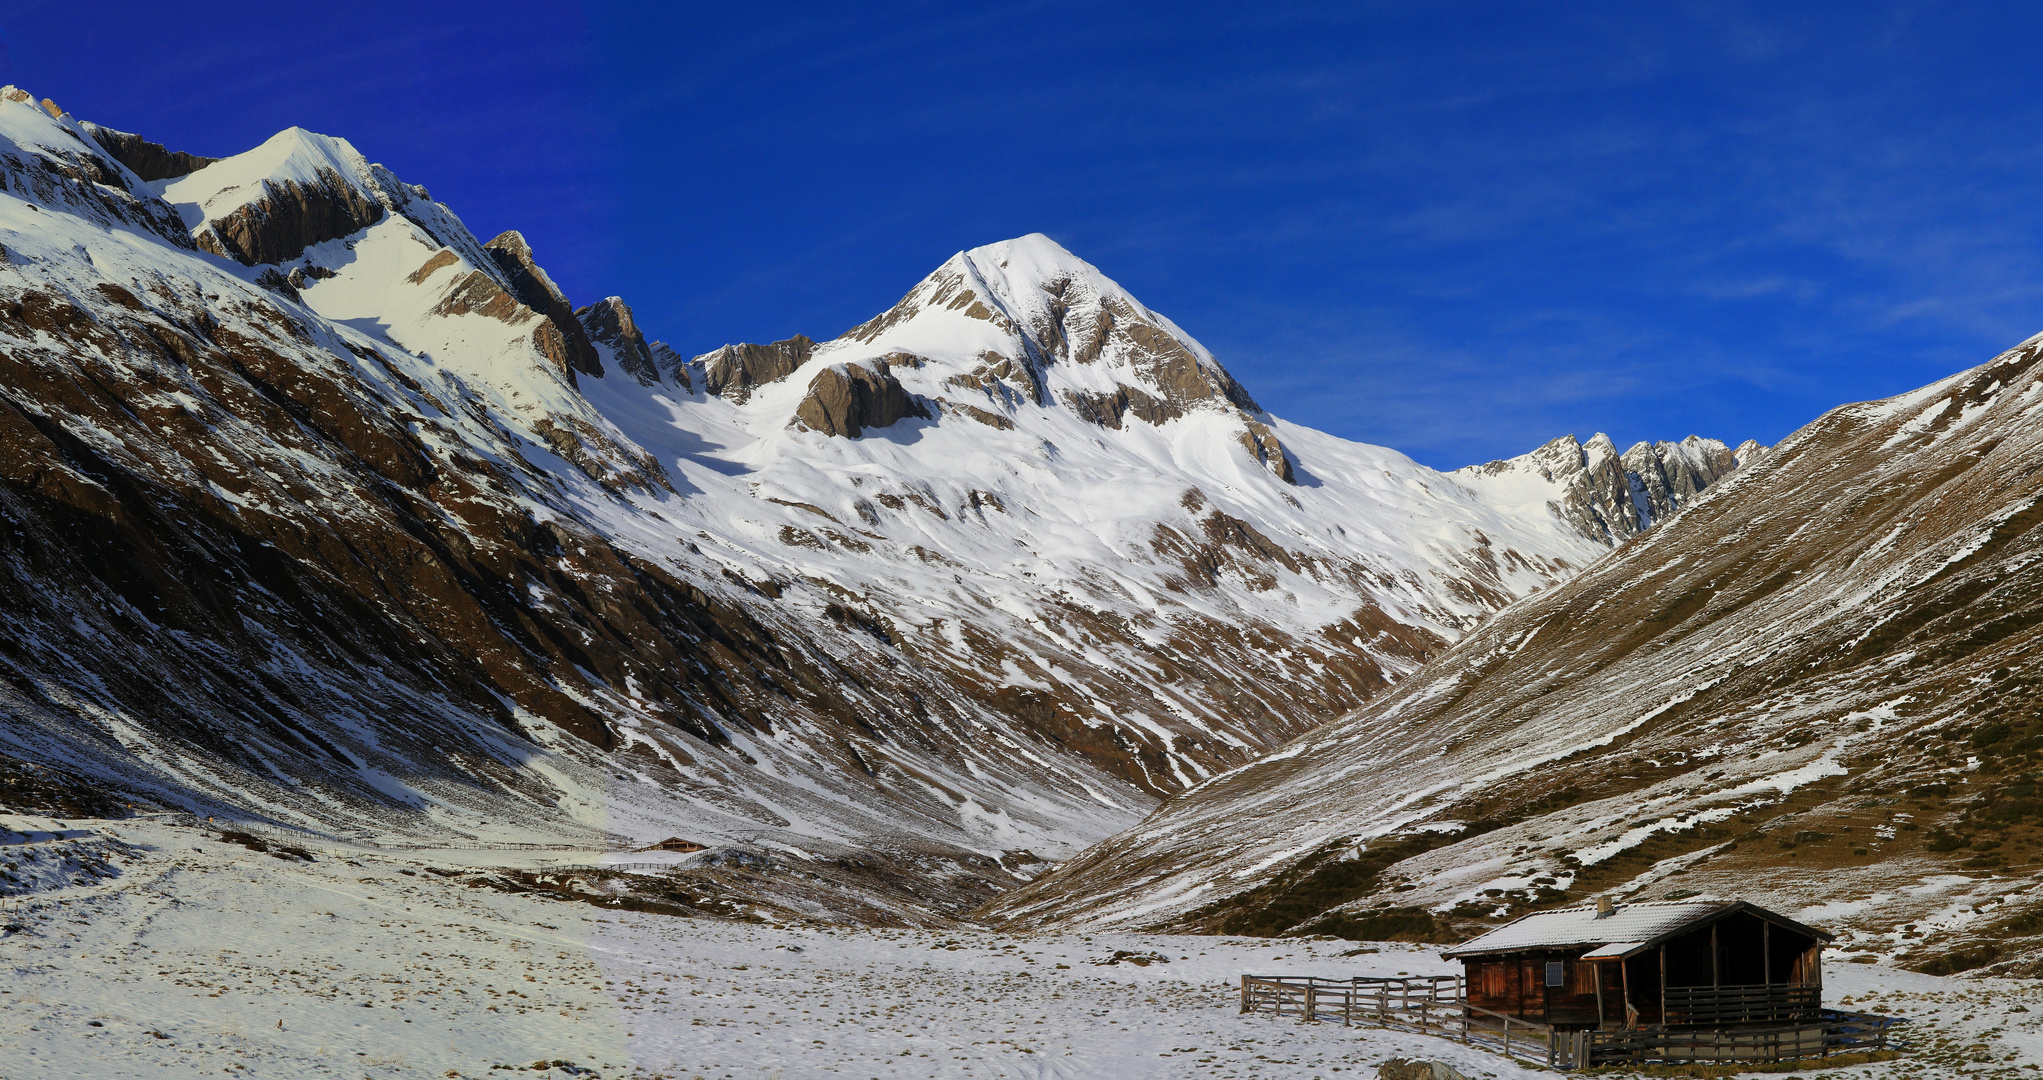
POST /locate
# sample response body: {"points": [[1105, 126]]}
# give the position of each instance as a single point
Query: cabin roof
{"points": [[1631, 928]]}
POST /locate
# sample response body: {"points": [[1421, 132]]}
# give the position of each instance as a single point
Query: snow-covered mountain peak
{"points": [[291, 156], [1022, 331], [1028, 275]]}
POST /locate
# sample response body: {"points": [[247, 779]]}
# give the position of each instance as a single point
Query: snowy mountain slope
{"points": [[1044, 552], [321, 511], [1817, 692]]}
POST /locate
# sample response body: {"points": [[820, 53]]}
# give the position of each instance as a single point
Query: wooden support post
{"points": [[1663, 986], [1598, 969], [1244, 995], [1766, 954], [1624, 973], [1716, 977]]}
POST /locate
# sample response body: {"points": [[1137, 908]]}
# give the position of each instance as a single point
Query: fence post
{"points": [[1244, 995], [1348, 1006], [1311, 1001]]}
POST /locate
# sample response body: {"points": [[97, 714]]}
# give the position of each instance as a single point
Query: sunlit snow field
{"points": [[203, 958]]}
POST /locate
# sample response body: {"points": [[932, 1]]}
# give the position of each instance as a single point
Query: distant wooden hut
{"points": [[1658, 964], [675, 843]]}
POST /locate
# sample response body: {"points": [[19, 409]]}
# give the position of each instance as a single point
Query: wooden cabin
{"points": [[1658, 964], [675, 843]]}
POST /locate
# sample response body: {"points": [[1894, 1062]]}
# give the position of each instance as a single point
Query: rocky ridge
{"points": [[1616, 496]]}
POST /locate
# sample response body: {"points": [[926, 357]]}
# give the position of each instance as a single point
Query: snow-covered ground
{"points": [[178, 954]]}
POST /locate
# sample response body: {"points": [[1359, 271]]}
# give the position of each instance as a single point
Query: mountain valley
{"points": [[322, 514], [1816, 690]]}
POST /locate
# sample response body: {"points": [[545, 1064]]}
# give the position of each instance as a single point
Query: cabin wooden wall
{"points": [[1516, 986]]}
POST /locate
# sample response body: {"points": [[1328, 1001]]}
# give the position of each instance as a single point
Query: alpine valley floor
{"points": [[145, 948]]}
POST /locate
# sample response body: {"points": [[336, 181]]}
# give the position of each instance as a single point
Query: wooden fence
{"points": [[1714, 1005], [1427, 1004], [1438, 1005]]}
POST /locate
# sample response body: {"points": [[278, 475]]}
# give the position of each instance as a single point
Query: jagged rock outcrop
{"points": [[1613, 497], [671, 365], [1665, 476], [609, 324], [847, 399], [535, 290], [289, 217], [147, 160], [734, 371]]}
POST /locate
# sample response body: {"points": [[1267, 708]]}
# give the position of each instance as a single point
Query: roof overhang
{"points": [[1616, 950], [1601, 948], [1460, 954]]}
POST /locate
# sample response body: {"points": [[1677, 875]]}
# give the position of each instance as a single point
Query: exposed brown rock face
{"points": [[670, 364], [535, 290], [441, 259], [290, 217], [1106, 410], [1258, 439], [147, 160], [735, 370], [1009, 382], [478, 293], [608, 322], [849, 399], [1824, 682]]}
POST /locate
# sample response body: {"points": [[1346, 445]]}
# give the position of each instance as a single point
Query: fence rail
{"points": [[1704, 1005], [1832, 1033], [1438, 1005], [1427, 1004]]}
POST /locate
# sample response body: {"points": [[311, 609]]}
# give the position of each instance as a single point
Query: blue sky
{"points": [[1455, 229]]}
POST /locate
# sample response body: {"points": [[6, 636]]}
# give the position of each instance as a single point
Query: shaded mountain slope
{"points": [[1818, 689]]}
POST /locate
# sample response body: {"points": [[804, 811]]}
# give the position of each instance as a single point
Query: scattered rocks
{"points": [[1405, 1069], [1129, 956]]}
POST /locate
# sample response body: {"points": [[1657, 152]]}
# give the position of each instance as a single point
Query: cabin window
{"points": [[1493, 980], [1556, 973], [1584, 981]]}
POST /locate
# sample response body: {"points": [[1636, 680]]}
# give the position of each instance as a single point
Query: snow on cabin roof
{"points": [[1633, 926], [1614, 951]]}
